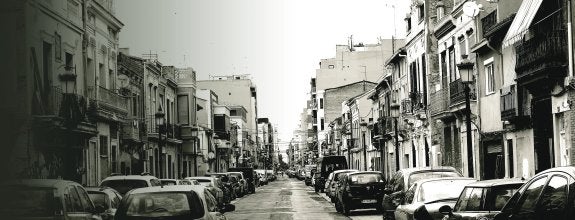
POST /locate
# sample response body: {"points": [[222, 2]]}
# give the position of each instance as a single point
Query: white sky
{"points": [[278, 42]]}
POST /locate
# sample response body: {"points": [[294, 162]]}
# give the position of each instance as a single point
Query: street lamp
{"points": [[363, 130], [466, 73], [394, 113], [160, 122], [68, 79]]}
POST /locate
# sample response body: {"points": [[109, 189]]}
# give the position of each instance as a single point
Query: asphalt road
{"points": [[290, 199]]}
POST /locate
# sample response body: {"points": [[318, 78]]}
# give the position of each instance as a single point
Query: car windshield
{"points": [[28, 202], [168, 182], [414, 177], [205, 182], [366, 178], [161, 205], [98, 198], [123, 186], [441, 190]]}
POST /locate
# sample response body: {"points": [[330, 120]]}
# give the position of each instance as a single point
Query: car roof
{"points": [[173, 188], [130, 177], [200, 178], [564, 169], [346, 170], [364, 172], [42, 183], [418, 169], [419, 182], [496, 182]]}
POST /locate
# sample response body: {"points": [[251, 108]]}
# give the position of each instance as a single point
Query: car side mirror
{"points": [[446, 210], [99, 209], [228, 208]]}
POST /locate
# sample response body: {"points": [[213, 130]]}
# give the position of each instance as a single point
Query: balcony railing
{"points": [[108, 98], [457, 92], [133, 129], [507, 103], [71, 107], [439, 102], [541, 53], [417, 100], [489, 22], [406, 106]]}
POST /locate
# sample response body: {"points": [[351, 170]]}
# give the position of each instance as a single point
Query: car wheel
{"points": [[337, 206], [345, 208]]}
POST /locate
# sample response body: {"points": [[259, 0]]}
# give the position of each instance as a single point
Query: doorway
{"points": [[542, 133]]}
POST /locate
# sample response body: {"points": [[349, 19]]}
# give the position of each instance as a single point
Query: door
{"points": [[543, 133]]}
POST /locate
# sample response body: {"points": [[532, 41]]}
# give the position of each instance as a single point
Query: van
{"points": [[327, 165]]}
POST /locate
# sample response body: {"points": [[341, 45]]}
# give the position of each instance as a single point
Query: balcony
{"points": [[507, 103], [417, 101], [542, 57], [134, 130], [406, 106], [108, 102], [488, 23], [61, 110], [439, 102], [457, 92]]}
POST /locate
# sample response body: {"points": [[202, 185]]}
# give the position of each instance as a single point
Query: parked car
{"points": [[314, 178], [171, 202], [105, 198], [426, 196], [243, 182], [125, 183], [211, 183], [309, 170], [226, 186], [327, 165], [549, 194], [482, 200], [360, 190], [403, 179], [248, 175], [47, 199], [301, 173], [332, 181], [263, 179], [236, 186], [171, 182]]}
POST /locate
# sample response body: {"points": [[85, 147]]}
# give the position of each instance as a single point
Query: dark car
{"points": [[213, 185], [236, 187], [332, 181], [404, 178], [46, 199], [326, 165], [548, 195], [248, 175], [309, 170], [105, 198], [226, 186], [483, 199], [425, 197], [360, 190]]}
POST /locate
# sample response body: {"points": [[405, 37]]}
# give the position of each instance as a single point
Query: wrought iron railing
{"points": [[457, 92], [417, 100], [540, 52], [489, 22], [406, 106], [439, 102], [108, 97], [507, 104]]}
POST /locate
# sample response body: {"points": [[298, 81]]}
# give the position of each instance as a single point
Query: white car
{"points": [[163, 202], [125, 183]]}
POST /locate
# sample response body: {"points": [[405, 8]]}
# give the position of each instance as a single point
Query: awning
{"points": [[522, 21]]}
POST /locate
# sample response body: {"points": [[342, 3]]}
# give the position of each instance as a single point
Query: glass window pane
{"points": [[554, 197], [527, 202]]}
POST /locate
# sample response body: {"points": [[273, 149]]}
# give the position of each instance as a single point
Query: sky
{"points": [[279, 43]]}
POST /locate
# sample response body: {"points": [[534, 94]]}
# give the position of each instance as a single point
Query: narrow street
{"points": [[288, 198]]}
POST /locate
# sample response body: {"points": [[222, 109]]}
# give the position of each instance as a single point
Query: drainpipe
{"points": [[570, 38]]}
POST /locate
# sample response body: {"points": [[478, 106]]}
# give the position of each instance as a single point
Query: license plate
{"points": [[368, 201]]}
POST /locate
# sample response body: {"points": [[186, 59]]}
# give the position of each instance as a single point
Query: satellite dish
{"points": [[471, 9]]}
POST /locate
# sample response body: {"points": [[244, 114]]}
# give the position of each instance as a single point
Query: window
{"points": [[58, 46], [462, 46], [321, 123], [74, 200], [443, 61], [103, 145], [421, 12], [183, 112], [489, 79], [85, 199], [320, 103], [134, 105], [112, 80], [471, 200], [526, 203], [452, 73], [408, 20], [554, 198]]}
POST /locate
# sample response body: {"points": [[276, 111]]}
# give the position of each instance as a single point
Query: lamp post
{"points": [[195, 133], [466, 73], [394, 113], [363, 126], [160, 122]]}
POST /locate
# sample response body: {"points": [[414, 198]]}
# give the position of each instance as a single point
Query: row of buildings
{"points": [[87, 108], [485, 86]]}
